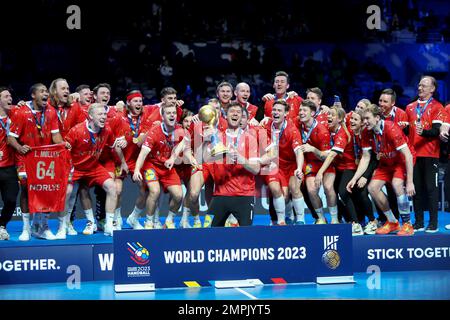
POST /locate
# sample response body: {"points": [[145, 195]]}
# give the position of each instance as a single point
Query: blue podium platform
{"points": [[91, 257]]}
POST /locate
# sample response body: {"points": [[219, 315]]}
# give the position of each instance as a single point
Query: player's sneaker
{"points": [[90, 228], [108, 229], [371, 227], [388, 227], [207, 222], [290, 220], [101, 224], [281, 223], [169, 225], [25, 235], [184, 224], [133, 222], [357, 230], [157, 225], [406, 230], [4, 235], [300, 223], [321, 221], [117, 225], [447, 227], [197, 223], [45, 233], [432, 228], [149, 224], [62, 233], [334, 221], [71, 230], [418, 227]]}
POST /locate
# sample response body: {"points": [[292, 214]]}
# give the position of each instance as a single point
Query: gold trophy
{"points": [[209, 115]]}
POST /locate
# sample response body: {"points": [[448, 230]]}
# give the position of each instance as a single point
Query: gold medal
{"points": [[135, 140]]}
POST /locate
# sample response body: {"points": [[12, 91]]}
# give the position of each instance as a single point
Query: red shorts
{"points": [[184, 172], [282, 175], [110, 166], [162, 174], [310, 169], [388, 173], [206, 170], [95, 176]]}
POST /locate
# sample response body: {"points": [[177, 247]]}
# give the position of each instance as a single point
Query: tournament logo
{"points": [[150, 175], [308, 169], [331, 257], [140, 255]]}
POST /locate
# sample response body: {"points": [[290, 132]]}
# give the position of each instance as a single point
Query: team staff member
{"points": [[234, 174], [395, 166], [424, 117], [9, 187]]}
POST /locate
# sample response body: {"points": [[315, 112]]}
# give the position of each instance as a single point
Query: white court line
{"points": [[246, 293]]}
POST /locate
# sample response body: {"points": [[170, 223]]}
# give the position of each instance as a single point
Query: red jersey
{"points": [[232, 179], [345, 160], [322, 118], [397, 115], [445, 115], [386, 144], [114, 121], [288, 140], [6, 151], [161, 143], [427, 113], [252, 109], [34, 128], [68, 117], [358, 142], [317, 136], [294, 107], [87, 146], [155, 113]]}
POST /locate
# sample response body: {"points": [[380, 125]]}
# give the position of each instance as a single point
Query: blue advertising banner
{"points": [[103, 259], [178, 258], [394, 253], [40, 264]]}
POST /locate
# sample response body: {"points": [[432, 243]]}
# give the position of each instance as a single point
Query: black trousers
{"points": [[240, 206], [425, 177], [100, 202], [9, 189], [362, 203], [340, 183], [447, 185]]}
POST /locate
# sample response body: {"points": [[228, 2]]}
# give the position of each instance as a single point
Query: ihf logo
{"points": [[331, 257], [139, 254]]}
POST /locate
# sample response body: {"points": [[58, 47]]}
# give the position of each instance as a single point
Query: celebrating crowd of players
{"points": [[298, 147]]}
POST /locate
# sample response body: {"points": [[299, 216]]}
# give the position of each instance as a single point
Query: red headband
{"points": [[134, 95]]}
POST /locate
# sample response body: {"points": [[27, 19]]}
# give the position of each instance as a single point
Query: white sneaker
{"points": [[334, 221], [109, 229], [117, 225], [148, 224], [133, 222], [4, 235], [357, 230], [45, 233], [25, 235], [184, 224], [62, 233], [157, 225], [71, 230], [371, 227], [447, 227], [90, 228]]}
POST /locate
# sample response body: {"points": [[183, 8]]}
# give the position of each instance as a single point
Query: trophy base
{"points": [[219, 150]]}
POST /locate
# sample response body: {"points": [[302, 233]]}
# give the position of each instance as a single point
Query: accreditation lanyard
{"points": [[61, 115], [377, 137], [39, 124], [274, 137], [6, 125], [134, 129], [166, 133], [356, 148], [236, 141], [305, 136], [420, 111]]}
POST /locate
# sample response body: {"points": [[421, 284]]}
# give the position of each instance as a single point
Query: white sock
{"points": [[62, 218], [156, 213], [186, 213], [390, 216], [319, 213], [290, 209], [280, 208], [334, 213], [170, 216], [89, 215], [117, 214], [137, 212], [26, 220], [109, 217], [299, 205], [149, 217]]}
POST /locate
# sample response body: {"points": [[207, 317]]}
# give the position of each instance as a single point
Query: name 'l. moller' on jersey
{"points": [[46, 154]]}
